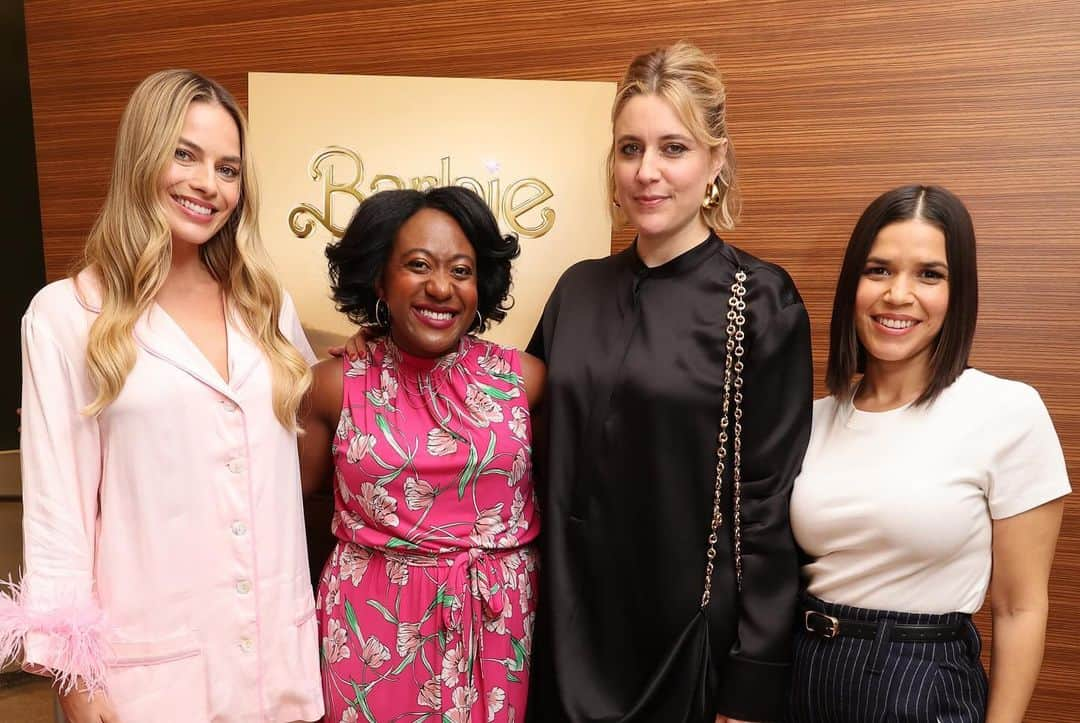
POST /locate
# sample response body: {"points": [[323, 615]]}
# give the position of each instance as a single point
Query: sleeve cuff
{"points": [[66, 642], [753, 690]]}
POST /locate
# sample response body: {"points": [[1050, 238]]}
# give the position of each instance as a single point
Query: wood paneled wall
{"points": [[830, 104]]}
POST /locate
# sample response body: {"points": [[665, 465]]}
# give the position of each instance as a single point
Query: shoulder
{"points": [[825, 411], [588, 272], [291, 327], [506, 363], [825, 406], [56, 300], [328, 370], [997, 413], [986, 395], [327, 386], [62, 311], [288, 306], [492, 356], [765, 276]]}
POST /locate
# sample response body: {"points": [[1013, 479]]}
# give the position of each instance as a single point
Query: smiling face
{"points": [[660, 172], [903, 295], [201, 184], [429, 284]]}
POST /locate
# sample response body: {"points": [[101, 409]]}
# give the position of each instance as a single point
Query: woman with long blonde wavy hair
{"points": [[166, 573]]}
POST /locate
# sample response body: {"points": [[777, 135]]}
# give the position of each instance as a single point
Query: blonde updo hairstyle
{"points": [[129, 249], [689, 80]]}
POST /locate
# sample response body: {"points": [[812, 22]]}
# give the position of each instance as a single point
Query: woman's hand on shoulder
{"points": [[355, 347], [535, 373], [79, 708]]}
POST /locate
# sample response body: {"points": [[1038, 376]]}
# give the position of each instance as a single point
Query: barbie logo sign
{"points": [[519, 206]]}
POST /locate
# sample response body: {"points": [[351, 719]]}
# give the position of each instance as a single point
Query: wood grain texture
{"points": [[831, 103]]}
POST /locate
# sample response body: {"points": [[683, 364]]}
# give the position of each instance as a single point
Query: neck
{"points": [[187, 270], [888, 385], [656, 250]]}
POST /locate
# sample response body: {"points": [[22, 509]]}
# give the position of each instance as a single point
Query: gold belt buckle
{"points": [[830, 632]]}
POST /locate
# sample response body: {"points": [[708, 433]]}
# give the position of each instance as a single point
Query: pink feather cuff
{"points": [[66, 642]]}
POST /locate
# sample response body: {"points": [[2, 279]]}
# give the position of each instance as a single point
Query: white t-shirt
{"points": [[896, 507]]}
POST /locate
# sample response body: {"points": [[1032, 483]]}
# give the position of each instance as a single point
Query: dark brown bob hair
{"points": [[949, 357]]}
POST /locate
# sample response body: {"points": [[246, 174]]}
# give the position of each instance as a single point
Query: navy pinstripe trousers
{"points": [[849, 680]]}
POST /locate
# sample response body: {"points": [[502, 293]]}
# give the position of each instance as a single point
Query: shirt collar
{"points": [[678, 266]]}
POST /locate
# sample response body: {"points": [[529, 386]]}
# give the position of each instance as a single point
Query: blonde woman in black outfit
{"points": [[636, 346]]}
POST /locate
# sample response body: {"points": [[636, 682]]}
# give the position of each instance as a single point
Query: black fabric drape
{"points": [[635, 361]]}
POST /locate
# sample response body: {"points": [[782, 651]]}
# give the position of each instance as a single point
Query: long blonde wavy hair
{"points": [[130, 246], [689, 80]]}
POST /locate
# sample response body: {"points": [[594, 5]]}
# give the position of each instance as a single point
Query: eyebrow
{"points": [[667, 137], [926, 264], [195, 146], [425, 252]]}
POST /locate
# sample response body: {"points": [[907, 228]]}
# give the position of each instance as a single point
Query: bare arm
{"points": [[535, 374], [1023, 552], [319, 414]]}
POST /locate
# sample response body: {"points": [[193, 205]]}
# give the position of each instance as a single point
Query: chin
{"points": [[894, 355], [427, 346], [644, 228], [182, 236]]}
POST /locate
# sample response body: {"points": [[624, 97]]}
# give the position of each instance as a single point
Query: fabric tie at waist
{"points": [[471, 595], [475, 576]]}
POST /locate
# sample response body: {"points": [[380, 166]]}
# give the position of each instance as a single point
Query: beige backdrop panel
{"points": [[830, 103], [515, 141]]}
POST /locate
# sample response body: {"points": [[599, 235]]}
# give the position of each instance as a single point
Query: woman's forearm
{"points": [[1016, 656]]}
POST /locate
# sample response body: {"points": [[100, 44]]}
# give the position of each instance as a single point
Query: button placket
{"points": [[241, 527]]}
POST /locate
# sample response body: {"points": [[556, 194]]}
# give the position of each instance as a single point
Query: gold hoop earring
{"points": [[713, 196]]}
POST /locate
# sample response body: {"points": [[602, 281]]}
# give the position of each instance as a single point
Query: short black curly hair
{"points": [[357, 260]]}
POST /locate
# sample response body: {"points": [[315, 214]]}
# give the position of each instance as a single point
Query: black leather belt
{"points": [[827, 626]]}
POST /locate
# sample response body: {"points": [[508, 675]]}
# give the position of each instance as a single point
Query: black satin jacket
{"points": [[626, 470]]}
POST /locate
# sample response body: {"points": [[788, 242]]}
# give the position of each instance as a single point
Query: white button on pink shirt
{"points": [[164, 540]]}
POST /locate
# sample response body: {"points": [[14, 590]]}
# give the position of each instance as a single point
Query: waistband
{"points": [[831, 620]]}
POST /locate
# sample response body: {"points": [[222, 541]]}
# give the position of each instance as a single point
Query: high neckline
{"points": [[427, 364], [683, 263]]}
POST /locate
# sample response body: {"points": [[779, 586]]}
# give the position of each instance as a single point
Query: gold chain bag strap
{"points": [[733, 383]]}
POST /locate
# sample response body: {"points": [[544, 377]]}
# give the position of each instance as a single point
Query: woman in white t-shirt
{"points": [[925, 483]]}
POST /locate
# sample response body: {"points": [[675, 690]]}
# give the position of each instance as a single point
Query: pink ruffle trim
{"points": [[78, 651]]}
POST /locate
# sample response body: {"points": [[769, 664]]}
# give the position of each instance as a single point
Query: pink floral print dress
{"points": [[426, 605]]}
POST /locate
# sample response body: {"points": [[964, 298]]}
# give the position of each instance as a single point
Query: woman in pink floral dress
{"points": [[426, 605]]}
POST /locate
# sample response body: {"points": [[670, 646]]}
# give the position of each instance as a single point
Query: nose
{"points": [[204, 178], [900, 290], [649, 168], [438, 285]]}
